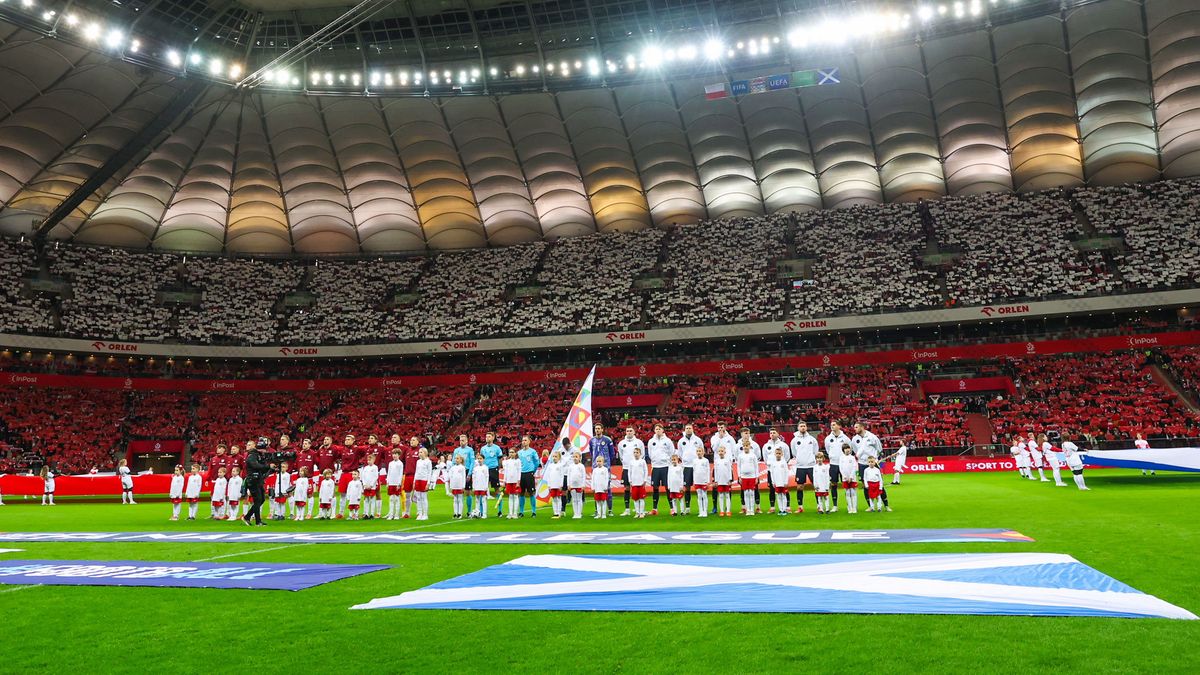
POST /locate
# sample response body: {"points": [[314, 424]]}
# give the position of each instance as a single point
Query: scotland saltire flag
{"points": [[1026, 584], [577, 429]]}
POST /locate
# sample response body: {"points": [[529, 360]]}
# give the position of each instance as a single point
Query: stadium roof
{"points": [[495, 123]]}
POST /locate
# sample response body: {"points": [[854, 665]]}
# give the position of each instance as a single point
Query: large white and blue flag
{"points": [[1155, 459], [1027, 584]]}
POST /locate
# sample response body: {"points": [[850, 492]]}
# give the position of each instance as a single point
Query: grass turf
{"points": [[1142, 531]]}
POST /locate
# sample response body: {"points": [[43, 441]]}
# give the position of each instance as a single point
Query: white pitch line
{"points": [[260, 550], [19, 588], [308, 543]]}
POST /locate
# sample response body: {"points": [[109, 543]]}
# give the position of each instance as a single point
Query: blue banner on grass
{"points": [[258, 576], [1025, 584]]}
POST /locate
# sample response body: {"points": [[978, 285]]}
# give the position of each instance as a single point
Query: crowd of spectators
{"points": [[953, 251], [424, 412], [240, 300], [114, 293], [1102, 396], [1159, 226], [586, 284], [350, 306], [1183, 364], [1016, 247], [240, 417], [20, 310], [862, 260], [73, 430], [465, 294], [722, 271]]}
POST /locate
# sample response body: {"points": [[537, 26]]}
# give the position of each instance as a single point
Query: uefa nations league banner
{"points": [[256, 576]]}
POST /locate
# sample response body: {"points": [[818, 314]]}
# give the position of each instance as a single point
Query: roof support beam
{"points": [[120, 158]]}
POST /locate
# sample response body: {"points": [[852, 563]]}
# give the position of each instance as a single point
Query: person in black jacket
{"points": [[256, 475]]}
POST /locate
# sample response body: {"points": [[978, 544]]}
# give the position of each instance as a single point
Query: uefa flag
{"points": [[576, 429]]}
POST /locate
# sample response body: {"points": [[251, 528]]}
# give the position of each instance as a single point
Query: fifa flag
{"points": [[713, 92], [576, 430]]}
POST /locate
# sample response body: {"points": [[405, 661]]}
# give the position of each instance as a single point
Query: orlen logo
{"points": [[788, 393], [1030, 348], [23, 379], [628, 400], [825, 360], [1005, 309], [556, 374], [642, 370], [218, 384], [473, 379], [733, 365], [929, 354], [298, 351], [1142, 341], [312, 384], [614, 337], [113, 347], [962, 384], [459, 345], [790, 326]]}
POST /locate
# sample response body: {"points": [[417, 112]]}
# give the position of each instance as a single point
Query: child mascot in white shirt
{"points": [[638, 475], [747, 464], [675, 485], [820, 482], [511, 468], [301, 496], [480, 486], [176, 494], [873, 477], [701, 477], [457, 481], [777, 469], [233, 493], [192, 492], [326, 494], [601, 484], [576, 482], [354, 496], [217, 499], [723, 478], [848, 467], [423, 482], [395, 485], [126, 482]]}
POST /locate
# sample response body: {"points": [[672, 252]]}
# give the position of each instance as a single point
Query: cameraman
{"points": [[256, 474]]}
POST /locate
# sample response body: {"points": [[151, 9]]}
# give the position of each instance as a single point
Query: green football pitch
{"points": [[1141, 531]]}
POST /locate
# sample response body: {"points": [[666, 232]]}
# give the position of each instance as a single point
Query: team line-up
{"points": [[349, 481]]}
